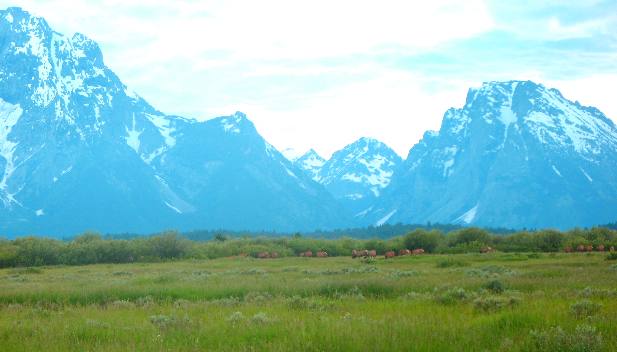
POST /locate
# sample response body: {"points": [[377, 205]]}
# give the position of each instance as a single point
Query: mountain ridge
{"points": [[512, 147], [84, 152], [79, 150]]}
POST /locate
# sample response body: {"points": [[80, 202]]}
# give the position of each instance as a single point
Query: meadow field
{"points": [[454, 302]]}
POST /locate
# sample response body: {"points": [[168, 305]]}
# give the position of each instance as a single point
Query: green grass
{"points": [[422, 303]]}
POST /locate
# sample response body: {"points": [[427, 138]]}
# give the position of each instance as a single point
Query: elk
{"points": [[372, 253], [568, 249], [404, 252], [322, 254], [359, 253], [417, 251], [263, 255], [389, 254]]}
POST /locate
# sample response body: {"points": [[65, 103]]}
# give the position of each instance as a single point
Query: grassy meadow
{"points": [[462, 302]]}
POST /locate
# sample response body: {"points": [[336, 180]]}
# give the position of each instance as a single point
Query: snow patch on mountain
{"points": [[385, 218], [231, 124], [311, 163], [173, 208], [587, 175], [468, 216], [132, 138], [163, 123], [9, 116]]}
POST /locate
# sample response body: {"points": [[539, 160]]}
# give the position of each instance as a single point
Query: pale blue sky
{"points": [[324, 73]]}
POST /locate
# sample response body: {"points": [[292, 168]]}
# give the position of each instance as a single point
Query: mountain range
{"points": [[79, 150]]}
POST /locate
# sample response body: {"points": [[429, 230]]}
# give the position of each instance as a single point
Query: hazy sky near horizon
{"points": [[323, 73]]}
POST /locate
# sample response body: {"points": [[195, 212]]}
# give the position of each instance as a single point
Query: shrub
{"points": [[227, 301], [122, 304], [414, 296], [420, 238], [489, 271], [166, 321], [495, 286], [452, 296], [584, 309], [397, 274], [468, 236], [236, 317], [257, 297], [612, 256], [493, 304], [260, 319], [585, 338], [297, 302]]}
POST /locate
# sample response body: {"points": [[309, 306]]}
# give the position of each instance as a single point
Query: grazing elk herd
{"points": [[371, 253], [588, 248], [356, 253]]}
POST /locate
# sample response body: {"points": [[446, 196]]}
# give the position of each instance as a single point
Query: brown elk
{"points": [[372, 253], [486, 249], [600, 248], [274, 255], [404, 252], [389, 254], [417, 251], [580, 248], [568, 249], [359, 253], [322, 254], [263, 255], [308, 253], [589, 248]]}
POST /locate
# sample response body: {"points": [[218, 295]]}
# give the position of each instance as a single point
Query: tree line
{"points": [[93, 248]]}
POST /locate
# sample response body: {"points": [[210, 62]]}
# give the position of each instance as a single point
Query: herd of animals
{"points": [[588, 248], [356, 253], [366, 253]]}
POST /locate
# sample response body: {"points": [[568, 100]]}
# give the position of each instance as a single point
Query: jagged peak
{"points": [[311, 154], [235, 123], [22, 21]]}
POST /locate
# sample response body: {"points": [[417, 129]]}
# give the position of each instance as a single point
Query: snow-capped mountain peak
{"points": [[544, 112], [517, 154], [79, 150], [311, 163], [358, 173]]}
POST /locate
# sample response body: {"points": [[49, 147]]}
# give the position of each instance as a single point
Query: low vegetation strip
{"points": [[92, 248]]}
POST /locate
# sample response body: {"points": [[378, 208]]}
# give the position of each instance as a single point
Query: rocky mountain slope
{"points": [[516, 155], [358, 174], [78, 151]]}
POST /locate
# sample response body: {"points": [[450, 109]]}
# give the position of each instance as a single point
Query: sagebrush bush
{"points": [[584, 309], [495, 286], [257, 297], [493, 304], [260, 318], [236, 317], [452, 296], [585, 338]]}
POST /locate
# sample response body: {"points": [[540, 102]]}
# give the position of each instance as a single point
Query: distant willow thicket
{"points": [[92, 248]]}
